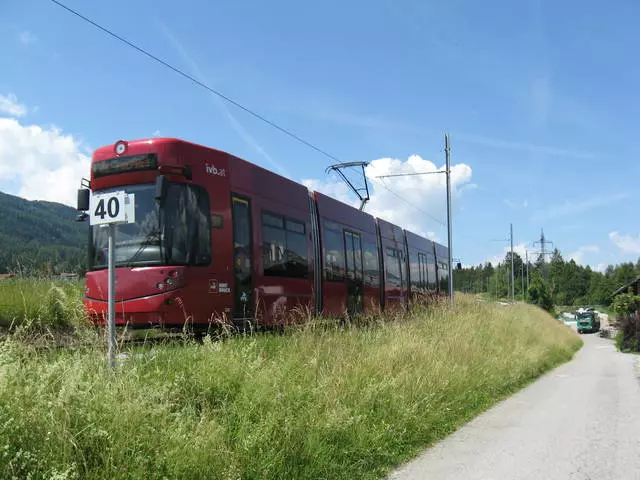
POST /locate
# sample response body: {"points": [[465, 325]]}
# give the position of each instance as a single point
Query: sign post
{"points": [[111, 310], [107, 210]]}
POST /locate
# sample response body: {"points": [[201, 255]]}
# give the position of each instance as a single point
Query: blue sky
{"points": [[540, 99]]}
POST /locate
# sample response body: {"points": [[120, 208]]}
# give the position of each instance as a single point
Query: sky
{"points": [[540, 99]]}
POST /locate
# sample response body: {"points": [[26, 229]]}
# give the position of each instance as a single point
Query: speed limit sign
{"points": [[112, 207]]}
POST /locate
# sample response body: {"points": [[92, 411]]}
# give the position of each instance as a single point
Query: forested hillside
{"points": [[40, 237], [567, 282]]}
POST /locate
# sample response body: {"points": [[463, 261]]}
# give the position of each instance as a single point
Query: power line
{"points": [[194, 80], [410, 174], [409, 203], [237, 104]]}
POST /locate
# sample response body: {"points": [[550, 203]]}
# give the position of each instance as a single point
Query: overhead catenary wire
{"points": [[440, 222], [230, 100], [219, 94], [381, 183], [196, 81]]}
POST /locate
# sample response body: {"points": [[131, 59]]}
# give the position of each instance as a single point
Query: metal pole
{"points": [[111, 314], [526, 253], [447, 150], [522, 278], [512, 283]]}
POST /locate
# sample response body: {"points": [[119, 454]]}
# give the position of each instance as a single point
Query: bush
{"points": [[627, 306], [628, 336]]}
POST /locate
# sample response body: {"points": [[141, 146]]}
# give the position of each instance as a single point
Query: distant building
{"points": [[634, 286], [4, 276]]}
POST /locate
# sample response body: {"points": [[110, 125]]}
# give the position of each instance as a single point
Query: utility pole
{"points": [[526, 254], [512, 281], [447, 172], [522, 278], [447, 150]]}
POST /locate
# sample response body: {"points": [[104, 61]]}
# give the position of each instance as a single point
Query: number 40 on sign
{"points": [[112, 207]]}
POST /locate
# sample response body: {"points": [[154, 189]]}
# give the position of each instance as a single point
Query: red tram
{"points": [[217, 237]]}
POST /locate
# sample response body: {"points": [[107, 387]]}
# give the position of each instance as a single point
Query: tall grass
{"points": [[320, 402], [41, 302]]}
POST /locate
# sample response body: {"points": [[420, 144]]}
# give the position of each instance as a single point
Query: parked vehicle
{"points": [[588, 321]]}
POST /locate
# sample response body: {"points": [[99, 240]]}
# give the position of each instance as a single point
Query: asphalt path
{"points": [[579, 421]]}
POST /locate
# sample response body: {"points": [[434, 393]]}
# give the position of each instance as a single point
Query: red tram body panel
{"points": [[271, 221], [225, 240], [351, 278], [396, 281], [421, 260]]}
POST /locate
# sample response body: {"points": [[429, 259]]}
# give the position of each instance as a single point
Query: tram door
{"points": [[242, 258], [355, 276]]}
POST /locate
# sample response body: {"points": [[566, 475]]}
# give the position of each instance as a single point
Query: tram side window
{"points": [[394, 278], [415, 272], [422, 266], [284, 247], [444, 276], [274, 240], [371, 265], [431, 272], [187, 225], [333, 249], [403, 268], [297, 264]]}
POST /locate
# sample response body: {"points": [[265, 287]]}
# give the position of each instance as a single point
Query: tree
{"points": [[540, 295], [488, 270], [573, 282], [567, 282], [624, 273]]}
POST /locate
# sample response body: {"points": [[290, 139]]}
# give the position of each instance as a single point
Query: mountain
{"points": [[40, 237]]}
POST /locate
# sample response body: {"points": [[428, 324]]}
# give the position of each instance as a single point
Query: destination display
{"points": [[132, 163]]}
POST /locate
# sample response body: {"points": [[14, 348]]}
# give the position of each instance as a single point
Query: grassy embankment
{"points": [[319, 402], [41, 303]]}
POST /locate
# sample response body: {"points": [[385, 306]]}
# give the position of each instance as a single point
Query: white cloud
{"points": [[578, 255], [43, 163], [601, 267], [27, 37], [626, 243], [519, 249], [156, 133], [417, 203], [9, 105]]}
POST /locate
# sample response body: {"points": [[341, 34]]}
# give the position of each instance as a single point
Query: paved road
{"points": [[580, 421]]}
